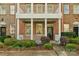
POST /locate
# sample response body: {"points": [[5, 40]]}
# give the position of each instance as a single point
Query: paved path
{"points": [[59, 51]]}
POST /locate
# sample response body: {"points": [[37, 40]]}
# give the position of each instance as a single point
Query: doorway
{"points": [[75, 29], [50, 32], [2, 31]]}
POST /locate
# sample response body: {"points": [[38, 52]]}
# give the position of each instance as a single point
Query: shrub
{"points": [[18, 44], [64, 40], [24, 44], [74, 40], [33, 43], [10, 41], [1, 45], [2, 38], [48, 46], [8, 36], [68, 34], [28, 43], [45, 40], [70, 46]]}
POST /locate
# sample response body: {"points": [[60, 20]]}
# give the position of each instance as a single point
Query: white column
{"points": [[59, 7], [31, 7], [78, 29], [18, 22], [18, 29], [31, 29], [59, 23], [45, 27], [45, 19], [46, 8]]}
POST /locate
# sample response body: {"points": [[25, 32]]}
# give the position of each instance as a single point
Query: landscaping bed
{"points": [[12, 44]]}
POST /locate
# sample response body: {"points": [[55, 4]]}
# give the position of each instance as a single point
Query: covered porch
{"points": [[35, 28]]}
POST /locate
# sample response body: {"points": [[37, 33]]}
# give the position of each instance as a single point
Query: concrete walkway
{"points": [[59, 51]]}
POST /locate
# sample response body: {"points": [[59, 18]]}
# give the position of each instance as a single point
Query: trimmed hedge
{"points": [[74, 40], [68, 34]]}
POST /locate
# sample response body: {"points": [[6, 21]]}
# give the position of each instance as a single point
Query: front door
{"points": [[75, 29], [50, 32], [2, 31]]}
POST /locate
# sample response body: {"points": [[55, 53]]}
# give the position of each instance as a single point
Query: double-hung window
{"points": [[76, 9], [12, 9], [66, 8]]}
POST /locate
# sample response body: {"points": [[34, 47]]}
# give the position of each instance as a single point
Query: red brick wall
{"points": [[22, 27]]}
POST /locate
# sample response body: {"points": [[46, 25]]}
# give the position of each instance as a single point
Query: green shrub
{"points": [[10, 41], [28, 43], [68, 34], [74, 40], [33, 43], [18, 44], [2, 38], [24, 44], [1, 45], [70, 46], [48, 46], [45, 40]]}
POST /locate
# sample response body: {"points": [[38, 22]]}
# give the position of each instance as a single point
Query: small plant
{"points": [[70, 46], [10, 41], [1, 45], [48, 46], [45, 40]]}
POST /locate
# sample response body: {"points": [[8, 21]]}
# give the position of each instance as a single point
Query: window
{"points": [[28, 28], [39, 8], [66, 9], [12, 9], [39, 28], [25, 8], [2, 10], [66, 27], [52, 8], [28, 8], [12, 28], [76, 9]]}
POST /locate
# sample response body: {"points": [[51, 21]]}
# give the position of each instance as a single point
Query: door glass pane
{"points": [[28, 28]]}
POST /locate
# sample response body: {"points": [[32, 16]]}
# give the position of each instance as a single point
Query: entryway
{"points": [[50, 32], [2, 31], [75, 29]]}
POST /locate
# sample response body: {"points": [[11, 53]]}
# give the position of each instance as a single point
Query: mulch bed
{"points": [[22, 49]]}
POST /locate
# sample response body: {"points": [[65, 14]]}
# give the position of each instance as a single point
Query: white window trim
{"points": [[12, 9], [76, 10], [66, 27], [26, 29], [2, 11], [67, 7]]}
